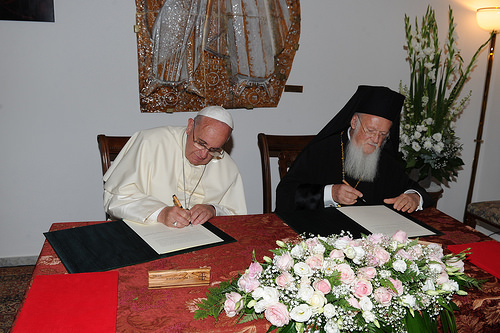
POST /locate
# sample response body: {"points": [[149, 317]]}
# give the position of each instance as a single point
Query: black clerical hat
{"points": [[374, 100], [378, 101]]}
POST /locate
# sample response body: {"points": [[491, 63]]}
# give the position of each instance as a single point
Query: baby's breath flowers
{"points": [[428, 142], [336, 284]]}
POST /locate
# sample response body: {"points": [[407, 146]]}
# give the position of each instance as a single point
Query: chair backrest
{"points": [[285, 148], [110, 147]]}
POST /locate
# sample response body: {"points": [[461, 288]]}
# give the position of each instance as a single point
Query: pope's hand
{"points": [[406, 202], [174, 217], [201, 213]]}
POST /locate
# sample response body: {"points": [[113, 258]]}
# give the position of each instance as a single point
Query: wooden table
{"points": [[172, 310]]}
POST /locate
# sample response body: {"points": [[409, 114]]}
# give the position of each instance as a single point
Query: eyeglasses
{"points": [[373, 133], [215, 152]]}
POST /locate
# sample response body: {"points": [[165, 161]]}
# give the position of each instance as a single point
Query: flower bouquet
{"points": [[340, 284], [428, 141]]}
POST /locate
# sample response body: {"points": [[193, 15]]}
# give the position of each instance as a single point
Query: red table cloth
{"points": [[172, 310]]}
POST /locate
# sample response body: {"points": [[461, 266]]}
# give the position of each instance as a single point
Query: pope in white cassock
{"points": [[188, 162]]}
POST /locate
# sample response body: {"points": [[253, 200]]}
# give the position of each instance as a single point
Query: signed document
{"points": [[381, 219], [164, 239]]}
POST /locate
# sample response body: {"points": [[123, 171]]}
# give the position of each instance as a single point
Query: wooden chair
{"points": [[285, 148], [485, 211], [110, 147]]}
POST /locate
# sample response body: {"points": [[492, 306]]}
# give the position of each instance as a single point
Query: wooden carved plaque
{"points": [[195, 53]]}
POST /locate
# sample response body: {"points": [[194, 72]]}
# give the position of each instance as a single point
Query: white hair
{"points": [[358, 164]]}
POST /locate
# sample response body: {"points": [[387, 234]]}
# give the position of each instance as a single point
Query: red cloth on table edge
{"points": [[483, 254], [83, 302]]}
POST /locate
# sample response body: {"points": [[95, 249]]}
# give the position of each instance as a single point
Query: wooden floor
{"points": [[13, 284]]}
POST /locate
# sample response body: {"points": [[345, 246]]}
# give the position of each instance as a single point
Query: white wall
{"points": [[63, 83]]}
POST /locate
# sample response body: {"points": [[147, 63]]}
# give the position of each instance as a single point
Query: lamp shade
{"points": [[488, 18]]}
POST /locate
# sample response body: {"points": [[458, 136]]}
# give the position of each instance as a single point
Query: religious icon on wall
{"points": [[234, 53]]}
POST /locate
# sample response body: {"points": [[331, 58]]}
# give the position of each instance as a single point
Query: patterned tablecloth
{"points": [[172, 310]]}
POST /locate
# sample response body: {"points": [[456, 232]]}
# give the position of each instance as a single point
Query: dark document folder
{"points": [[331, 221], [105, 246], [323, 222]]}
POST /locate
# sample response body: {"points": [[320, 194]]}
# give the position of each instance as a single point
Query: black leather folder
{"points": [[110, 245]]}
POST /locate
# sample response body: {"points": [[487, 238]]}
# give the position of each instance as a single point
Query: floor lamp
{"points": [[488, 19]]}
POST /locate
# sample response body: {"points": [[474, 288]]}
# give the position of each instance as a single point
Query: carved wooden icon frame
{"points": [[195, 53]]}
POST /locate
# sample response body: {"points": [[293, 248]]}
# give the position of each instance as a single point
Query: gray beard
{"points": [[359, 165]]}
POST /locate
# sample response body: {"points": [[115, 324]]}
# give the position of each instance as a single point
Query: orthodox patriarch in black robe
{"points": [[321, 162]]}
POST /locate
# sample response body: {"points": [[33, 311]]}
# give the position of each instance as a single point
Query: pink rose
{"points": [[362, 288], [277, 314], [355, 243], [354, 302], [398, 285], [367, 273], [311, 243], [376, 238], [248, 284], [442, 278], [416, 251], [455, 265], [400, 236], [315, 261], [382, 296], [337, 254], [381, 255], [405, 255], [232, 304], [322, 286], [284, 279], [347, 275], [284, 262], [254, 270]]}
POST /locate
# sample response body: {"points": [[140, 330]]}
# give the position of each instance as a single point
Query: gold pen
{"points": [[345, 182], [176, 201], [178, 204]]}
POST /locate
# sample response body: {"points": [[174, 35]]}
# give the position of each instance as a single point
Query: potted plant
{"points": [[428, 143]]}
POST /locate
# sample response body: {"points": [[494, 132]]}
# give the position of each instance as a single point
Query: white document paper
{"points": [[164, 239], [381, 219]]}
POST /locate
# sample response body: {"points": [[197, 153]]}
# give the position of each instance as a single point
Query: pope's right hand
{"points": [[174, 217]]}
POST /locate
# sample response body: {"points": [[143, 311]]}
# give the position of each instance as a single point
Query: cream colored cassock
{"points": [[148, 171]]}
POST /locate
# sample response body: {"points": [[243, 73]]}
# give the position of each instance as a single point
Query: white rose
{"points": [[332, 327], [369, 316], [365, 304], [297, 251], [450, 286], [305, 293], [417, 135], [341, 244], [399, 265], [350, 252], [427, 144], [428, 285], [317, 299], [318, 249], [302, 269], [268, 294], [329, 311], [437, 136], [415, 146], [435, 268], [301, 313], [409, 300]]}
